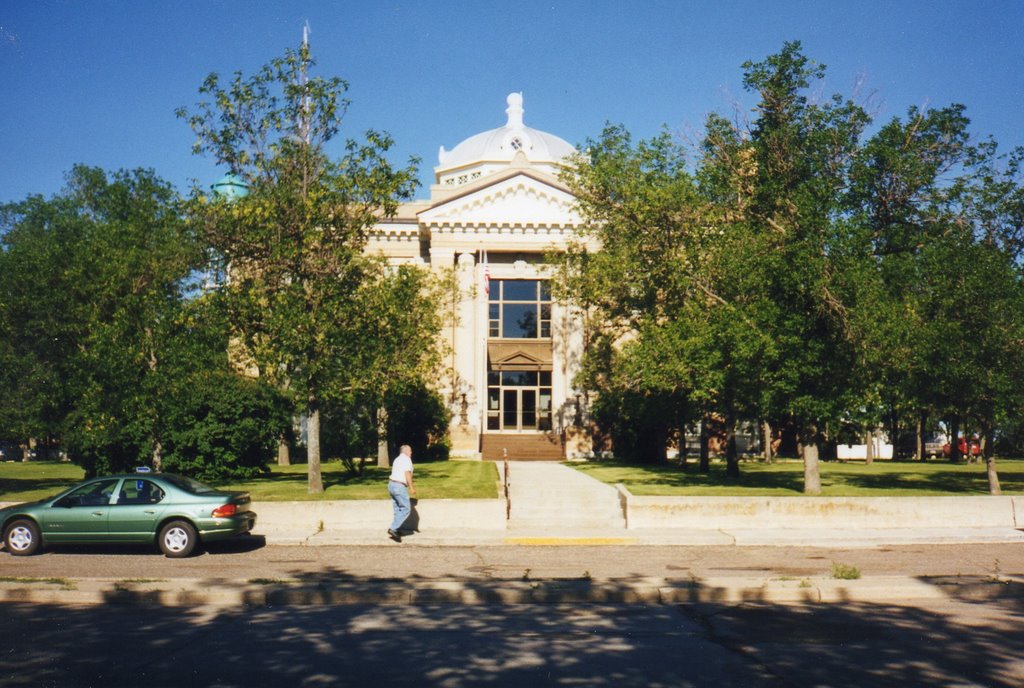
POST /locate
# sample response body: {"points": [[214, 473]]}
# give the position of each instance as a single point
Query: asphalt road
{"points": [[934, 643], [250, 558], [942, 642]]}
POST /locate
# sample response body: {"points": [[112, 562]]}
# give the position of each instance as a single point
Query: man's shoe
{"points": [[394, 535]]}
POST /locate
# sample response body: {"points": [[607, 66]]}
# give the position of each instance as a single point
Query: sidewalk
{"points": [[554, 536]]}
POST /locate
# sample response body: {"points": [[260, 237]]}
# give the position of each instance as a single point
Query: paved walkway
{"points": [[554, 498]]}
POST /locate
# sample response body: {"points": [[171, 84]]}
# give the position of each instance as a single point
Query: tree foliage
{"points": [[310, 309], [799, 270], [107, 338]]}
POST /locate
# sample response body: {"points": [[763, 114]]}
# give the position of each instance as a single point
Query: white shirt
{"points": [[402, 463]]}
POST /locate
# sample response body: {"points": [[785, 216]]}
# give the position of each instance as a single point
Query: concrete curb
{"points": [[653, 537], [272, 593]]}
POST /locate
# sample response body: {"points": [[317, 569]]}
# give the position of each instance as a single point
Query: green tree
{"points": [[384, 364], [781, 184], [111, 339], [930, 260], [900, 205], [646, 222], [300, 283], [41, 325], [96, 277]]}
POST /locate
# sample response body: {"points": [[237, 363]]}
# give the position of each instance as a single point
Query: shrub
{"points": [[226, 426]]}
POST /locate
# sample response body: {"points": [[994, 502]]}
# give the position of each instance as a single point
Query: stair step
{"points": [[560, 524], [531, 447]]}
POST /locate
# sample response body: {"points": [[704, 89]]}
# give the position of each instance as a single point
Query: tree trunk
{"points": [[284, 453], [869, 441], [316, 481], [812, 473], [680, 421], [705, 454], [158, 460], [894, 433], [383, 456], [919, 436], [993, 476], [987, 441], [732, 463], [766, 438], [954, 439]]}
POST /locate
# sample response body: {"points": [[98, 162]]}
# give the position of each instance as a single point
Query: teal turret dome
{"points": [[230, 187]]}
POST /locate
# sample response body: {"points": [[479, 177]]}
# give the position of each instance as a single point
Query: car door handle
{"points": [[97, 513], [149, 512]]}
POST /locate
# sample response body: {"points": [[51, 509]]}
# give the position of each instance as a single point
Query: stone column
{"points": [[467, 345], [569, 352]]}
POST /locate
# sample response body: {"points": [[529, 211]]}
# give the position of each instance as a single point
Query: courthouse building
{"points": [[496, 207]]}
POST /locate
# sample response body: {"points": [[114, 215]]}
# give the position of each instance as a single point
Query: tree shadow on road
{"points": [[878, 645], [299, 632]]}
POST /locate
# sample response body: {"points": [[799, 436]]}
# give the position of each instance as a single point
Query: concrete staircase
{"points": [[555, 498], [528, 447]]}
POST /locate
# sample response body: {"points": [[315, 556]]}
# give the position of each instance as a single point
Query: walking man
{"points": [[400, 487]]}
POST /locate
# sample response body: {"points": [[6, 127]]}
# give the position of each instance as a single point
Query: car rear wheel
{"points": [[178, 539], [22, 538]]}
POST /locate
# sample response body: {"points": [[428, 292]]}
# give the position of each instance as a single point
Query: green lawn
{"points": [[26, 482], [847, 479], [433, 480], [21, 482]]}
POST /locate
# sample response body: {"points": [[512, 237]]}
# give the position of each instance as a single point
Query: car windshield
{"points": [[187, 484]]}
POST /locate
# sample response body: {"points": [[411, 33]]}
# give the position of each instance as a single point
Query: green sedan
{"points": [[176, 512]]}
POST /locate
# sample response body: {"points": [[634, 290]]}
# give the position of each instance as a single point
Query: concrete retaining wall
{"points": [[700, 513], [471, 514], [822, 512]]}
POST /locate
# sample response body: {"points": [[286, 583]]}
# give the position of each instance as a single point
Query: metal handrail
{"points": [[508, 496]]}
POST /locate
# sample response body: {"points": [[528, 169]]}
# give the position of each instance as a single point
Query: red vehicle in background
{"points": [[973, 450]]}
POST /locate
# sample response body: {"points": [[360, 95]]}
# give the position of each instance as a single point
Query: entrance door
{"points": [[519, 408]]}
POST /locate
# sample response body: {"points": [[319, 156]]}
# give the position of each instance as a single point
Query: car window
{"points": [[92, 494], [139, 491], [187, 484]]}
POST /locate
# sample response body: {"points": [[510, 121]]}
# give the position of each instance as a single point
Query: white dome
{"points": [[502, 144]]}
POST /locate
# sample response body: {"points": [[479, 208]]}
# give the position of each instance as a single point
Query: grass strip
{"points": [[30, 481], [64, 583], [838, 479]]}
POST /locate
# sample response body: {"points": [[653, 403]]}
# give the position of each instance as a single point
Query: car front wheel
{"points": [[22, 538], [178, 539]]}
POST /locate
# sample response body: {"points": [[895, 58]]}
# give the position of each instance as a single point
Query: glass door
{"points": [[527, 409], [519, 401], [510, 409]]}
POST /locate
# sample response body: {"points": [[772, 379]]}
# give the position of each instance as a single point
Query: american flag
{"points": [[487, 276]]}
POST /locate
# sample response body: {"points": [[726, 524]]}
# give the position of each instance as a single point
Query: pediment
{"points": [[519, 355], [521, 200]]}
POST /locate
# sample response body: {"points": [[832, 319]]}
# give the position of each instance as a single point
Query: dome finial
{"points": [[514, 110]]}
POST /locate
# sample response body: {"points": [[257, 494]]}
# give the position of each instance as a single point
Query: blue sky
{"points": [[97, 82]]}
